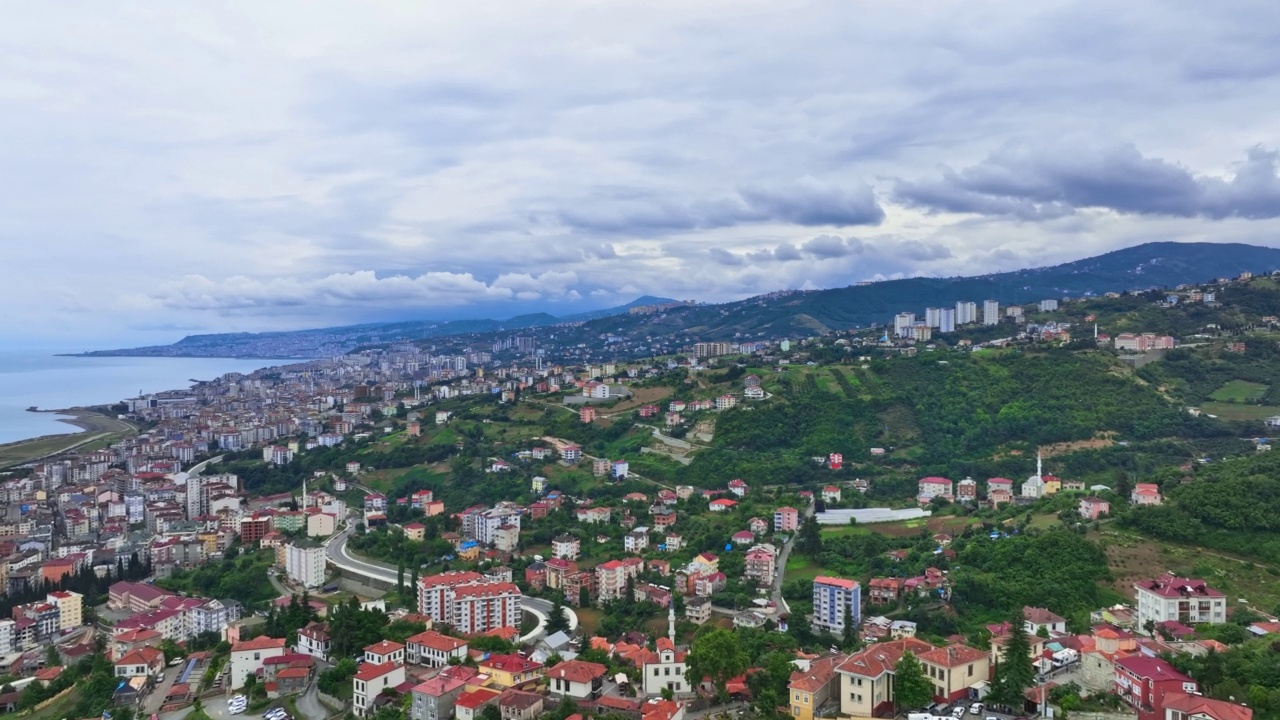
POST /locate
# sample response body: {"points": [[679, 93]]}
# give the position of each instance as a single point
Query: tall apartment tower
{"points": [[990, 312], [933, 317], [946, 320], [902, 323], [966, 312]]}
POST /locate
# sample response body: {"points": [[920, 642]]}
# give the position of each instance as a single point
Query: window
{"points": [[970, 671], [667, 672], [795, 710]]}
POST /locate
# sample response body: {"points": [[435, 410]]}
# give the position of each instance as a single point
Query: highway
{"points": [[336, 551]]}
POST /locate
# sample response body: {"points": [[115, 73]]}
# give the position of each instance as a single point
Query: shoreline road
{"points": [[339, 556]]}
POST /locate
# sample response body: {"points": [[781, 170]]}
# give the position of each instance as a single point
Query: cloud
{"points": [[806, 202], [348, 290], [1049, 181]]}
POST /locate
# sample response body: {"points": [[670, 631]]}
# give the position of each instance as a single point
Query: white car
{"points": [[975, 709], [235, 709]]}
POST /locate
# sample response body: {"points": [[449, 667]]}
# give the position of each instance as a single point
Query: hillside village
{"points": [[502, 532]]}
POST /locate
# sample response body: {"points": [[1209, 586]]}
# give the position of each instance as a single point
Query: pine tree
{"points": [[850, 632], [810, 540], [1015, 673]]}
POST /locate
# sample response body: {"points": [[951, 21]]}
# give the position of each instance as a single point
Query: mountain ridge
{"points": [[784, 313]]}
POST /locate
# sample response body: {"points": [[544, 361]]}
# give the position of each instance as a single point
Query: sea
{"points": [[43, 379]]}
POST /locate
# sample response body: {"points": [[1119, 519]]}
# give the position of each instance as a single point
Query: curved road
{"points": [[335, 549]]}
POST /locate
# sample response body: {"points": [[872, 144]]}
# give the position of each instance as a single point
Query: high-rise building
{"points": [[832, 598], [933, 317], [966, 312], [1048, 305], [922, 332], [902, 323], [304, 563], [947, 320], [990, 312]]}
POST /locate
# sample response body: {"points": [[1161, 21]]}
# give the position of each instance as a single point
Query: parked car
{"points": [[975, 709]]}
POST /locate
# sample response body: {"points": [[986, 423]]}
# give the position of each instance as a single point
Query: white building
{"points": [[947, 320], [247, 657], [369, 682], [933, 317], [1048, 305], [304, 563], [902, 323], [636, 540], [966, 312], [990, 312], [1183, 600]]}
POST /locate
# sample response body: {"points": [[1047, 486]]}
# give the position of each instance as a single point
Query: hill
{"points": [[781, 314], [320, 342], [1152, 265]]}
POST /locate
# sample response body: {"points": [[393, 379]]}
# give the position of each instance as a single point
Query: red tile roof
{"points": [[578, 671]]}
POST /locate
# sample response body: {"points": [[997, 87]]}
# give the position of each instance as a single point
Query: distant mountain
{"points": [[795, 314], [781, 314], [323, 342]]}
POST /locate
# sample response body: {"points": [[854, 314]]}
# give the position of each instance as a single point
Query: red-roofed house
{"points": [[384, 652], [1145, 494], [433, 649], [576, 679], [511, 670], [370, 681], [721, 505], [141, 662], [658, 709], [810, 689], [247, 657], [932, 487], [1184, 600], [1141, 680], [434, 699], [1184, 706], [469, 705]]}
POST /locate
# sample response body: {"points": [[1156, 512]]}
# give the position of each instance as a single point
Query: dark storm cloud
{"points": [[1042, 182]]}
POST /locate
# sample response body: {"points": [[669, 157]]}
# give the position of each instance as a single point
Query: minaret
{"points": [[1039, 466], [671, 623], [304, 493]]}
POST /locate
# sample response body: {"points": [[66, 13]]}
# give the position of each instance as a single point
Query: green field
{"points": [[1240, 391], [801, 568], [99, 431], [1235, 411]]}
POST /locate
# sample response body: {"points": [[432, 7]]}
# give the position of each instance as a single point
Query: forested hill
{"points": [[800, 314]]}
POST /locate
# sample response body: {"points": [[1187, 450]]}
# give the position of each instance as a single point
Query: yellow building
{"points": [[511, 670], [810, 688], [70, 606]]}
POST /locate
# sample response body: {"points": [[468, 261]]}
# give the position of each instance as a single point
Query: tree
{"points": [[491, 712], [400, 578], [850, 638], [810, 538], [1015, 673], [557, 621], [911, 689], [717, 656]]}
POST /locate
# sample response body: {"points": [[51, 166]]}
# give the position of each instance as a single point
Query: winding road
{"points": [[339, 556]]}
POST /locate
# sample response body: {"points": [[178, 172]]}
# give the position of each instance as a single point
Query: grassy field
{"points": [[1133, 557], [949, 524], [1240, 391], [801, 568], [1235, 411], [99, 431]]}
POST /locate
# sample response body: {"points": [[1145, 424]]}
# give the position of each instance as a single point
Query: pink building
{"points": [[1145, 494], [786, 519], [1092, 507]]}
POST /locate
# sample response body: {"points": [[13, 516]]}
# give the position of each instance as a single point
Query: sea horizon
{"points": [[57, 379]]}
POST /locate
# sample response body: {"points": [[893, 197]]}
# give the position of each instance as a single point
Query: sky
{"points": [[171, 169]]}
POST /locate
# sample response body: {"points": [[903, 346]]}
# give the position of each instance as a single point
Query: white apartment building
{"points": [[990, 312], [966, 312], [469, 602], [1048, 305], [903, 323], [1184, 600], [831, 597], [947, 320], [933, 317], [304, 563]]}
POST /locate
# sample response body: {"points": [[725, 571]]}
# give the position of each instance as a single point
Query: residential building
{"points": [[1035, 619], [70, 608], [611, 577], [314, 640], [371, 680], [637, 540], [932, 487], [247, 657], [786, 519], [990, 312], [811, 688], [384, 652], [834, 599], [966, 312], [511, 671], [759, 565], [469, 602], [1190, 706], [1145, 494], [433, 649], [1142, 681], [947, 320], [576, 679], [519, 705], [435, 698], [697, 609], [141, 662], [1093, 507], [1183, 600], [305, 563], [866, 677]]}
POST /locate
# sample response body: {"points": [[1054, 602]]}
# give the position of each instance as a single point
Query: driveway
{"points": [[161, 689], [309, 705]]}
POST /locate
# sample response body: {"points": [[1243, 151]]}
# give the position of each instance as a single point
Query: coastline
{"points": [[94, 427]]}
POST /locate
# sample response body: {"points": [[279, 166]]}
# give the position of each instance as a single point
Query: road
{"points": [[338, 555], [309, 706], [781, 566]]}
